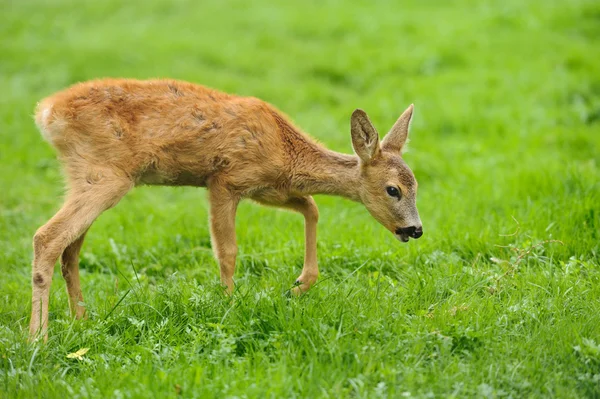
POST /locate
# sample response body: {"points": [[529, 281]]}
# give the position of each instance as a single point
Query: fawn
{"points": [[114, 134]]}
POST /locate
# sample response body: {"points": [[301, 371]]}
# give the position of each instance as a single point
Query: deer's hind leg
{"points": [[69, 262], [86, 200]]}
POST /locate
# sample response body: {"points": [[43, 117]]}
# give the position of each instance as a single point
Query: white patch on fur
{"points": [[405, 147], [42, 122]]}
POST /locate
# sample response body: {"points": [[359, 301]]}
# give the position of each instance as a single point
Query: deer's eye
{"points": [[393, 191]]}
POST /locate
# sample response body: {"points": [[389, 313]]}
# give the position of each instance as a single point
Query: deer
{"points": [[111, 135]]}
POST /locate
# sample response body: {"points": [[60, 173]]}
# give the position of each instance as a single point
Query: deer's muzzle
{"points": [[410, 231]]}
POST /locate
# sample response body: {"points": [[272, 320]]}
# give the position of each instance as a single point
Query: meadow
{"points": [[499, 298]]}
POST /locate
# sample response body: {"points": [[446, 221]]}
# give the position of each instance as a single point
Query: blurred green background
{"points": [[505, 139]]}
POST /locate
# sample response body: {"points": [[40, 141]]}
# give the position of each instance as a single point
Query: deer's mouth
{"points": [[402, 237]]}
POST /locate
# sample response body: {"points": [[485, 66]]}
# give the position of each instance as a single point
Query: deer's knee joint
{"points": [[39, 280]]}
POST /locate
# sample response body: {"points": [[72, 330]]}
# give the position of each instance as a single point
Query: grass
{"points": [[505, 145]]}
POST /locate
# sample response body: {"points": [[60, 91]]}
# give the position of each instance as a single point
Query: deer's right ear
{"points": [[396, 139], [365, 139]]}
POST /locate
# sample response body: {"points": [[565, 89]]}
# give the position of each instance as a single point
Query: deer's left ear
{"points": [[365, 139], [395, 140]]}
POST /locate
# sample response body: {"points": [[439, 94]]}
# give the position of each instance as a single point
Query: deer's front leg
{"points": [[310, 272], [223, 206]]}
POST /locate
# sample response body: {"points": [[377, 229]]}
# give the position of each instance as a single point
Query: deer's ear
{"points": [[365, 139], [395, 140]]}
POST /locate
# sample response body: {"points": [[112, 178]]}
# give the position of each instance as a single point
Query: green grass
{"points": [[506, 138]]}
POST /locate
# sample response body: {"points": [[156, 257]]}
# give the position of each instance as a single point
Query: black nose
{"points": [[411, 231], [418, 232]]}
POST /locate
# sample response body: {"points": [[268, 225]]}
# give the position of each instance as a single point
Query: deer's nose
{"points": [[411, 231], [418, 232]]}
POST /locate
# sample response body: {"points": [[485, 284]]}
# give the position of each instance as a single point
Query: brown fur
{"points": [[114, 134]]}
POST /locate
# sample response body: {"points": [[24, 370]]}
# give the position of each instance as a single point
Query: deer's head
{"points": [[388, 187]]}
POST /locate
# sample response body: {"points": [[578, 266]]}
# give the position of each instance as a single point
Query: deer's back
{"points": [[165, 132]]}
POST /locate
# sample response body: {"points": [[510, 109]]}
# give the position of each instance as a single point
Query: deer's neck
{"points": [[313, 168], [318, 170]]}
